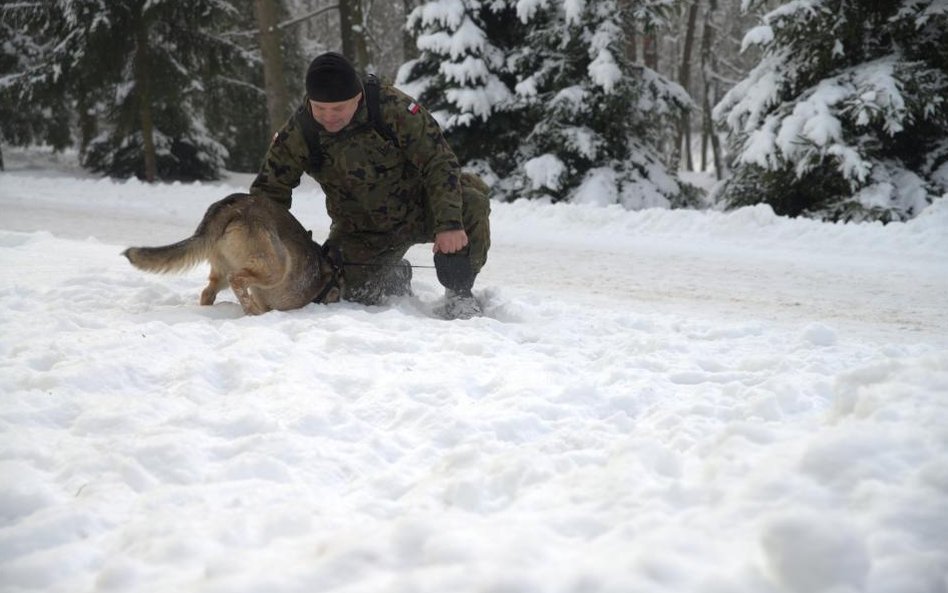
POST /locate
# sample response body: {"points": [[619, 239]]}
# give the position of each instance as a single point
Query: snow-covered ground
{"points": [[657, 401]]}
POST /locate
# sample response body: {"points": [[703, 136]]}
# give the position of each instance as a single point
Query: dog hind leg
{"points": [[214, 286], [240, 283]]}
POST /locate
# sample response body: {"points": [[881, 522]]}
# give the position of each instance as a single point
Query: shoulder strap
{"points": [[304, 119], [373, 105]]}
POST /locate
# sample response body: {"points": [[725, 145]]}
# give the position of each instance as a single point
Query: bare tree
{"points": [[409, 49], [650, 49], [708, 93], [684, 79], [143, 82], [353, 31], [271, 52]]}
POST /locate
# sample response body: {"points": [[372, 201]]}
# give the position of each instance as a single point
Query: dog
{"points": [[259, 249]]}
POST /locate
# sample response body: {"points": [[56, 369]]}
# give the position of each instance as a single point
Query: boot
{"points": [[459, 305], [456, 275]]}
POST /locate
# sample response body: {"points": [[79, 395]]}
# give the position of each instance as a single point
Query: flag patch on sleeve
{"points": [[413, 108]]}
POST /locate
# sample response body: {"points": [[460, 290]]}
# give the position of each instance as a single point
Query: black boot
{"points": [[457, 276], [455, 272]]}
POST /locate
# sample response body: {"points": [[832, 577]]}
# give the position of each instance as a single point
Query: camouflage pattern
{"points": [[382, 198]]}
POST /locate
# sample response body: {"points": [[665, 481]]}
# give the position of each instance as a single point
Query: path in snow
{"points": [[654, 269]]}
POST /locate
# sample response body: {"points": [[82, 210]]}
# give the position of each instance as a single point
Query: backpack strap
{"points": [[304, 119], [373, 105]]}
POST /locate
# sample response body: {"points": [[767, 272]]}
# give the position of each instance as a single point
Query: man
{"points": [[389, 184]]}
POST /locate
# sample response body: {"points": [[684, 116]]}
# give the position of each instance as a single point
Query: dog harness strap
{"points": [[333, 256], [304, 119], [321, 297]]}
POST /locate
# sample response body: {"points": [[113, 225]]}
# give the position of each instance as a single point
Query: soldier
{"points": [[391, 181]]}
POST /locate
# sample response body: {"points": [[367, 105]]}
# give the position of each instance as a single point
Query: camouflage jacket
{"points": [[372, 185]]}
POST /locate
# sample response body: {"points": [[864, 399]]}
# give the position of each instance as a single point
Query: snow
{"points": [[759, 35], [527, 9], [656, 401], [544, 171], [573, 10], [598, 187], [466, 38], [448, 12], [604, 71], [481, 101]]}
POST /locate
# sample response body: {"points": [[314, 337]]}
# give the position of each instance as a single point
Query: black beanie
{"points": [[330, 78]]}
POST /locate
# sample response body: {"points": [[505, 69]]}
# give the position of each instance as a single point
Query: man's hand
{"points": [[450, 241]]}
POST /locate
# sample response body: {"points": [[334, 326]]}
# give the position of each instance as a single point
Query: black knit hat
{"points": [[330, 78]]}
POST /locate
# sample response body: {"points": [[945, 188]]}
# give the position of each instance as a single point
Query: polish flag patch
{"points": [[413, 108]]}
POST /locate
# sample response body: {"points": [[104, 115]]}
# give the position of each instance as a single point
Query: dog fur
{"points": [[255, 246]]}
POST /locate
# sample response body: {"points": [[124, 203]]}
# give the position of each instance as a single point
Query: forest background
{"points": [[833, 109]]}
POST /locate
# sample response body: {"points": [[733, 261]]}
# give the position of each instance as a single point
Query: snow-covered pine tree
{"points": [[846, 117], [25, 113], [601, 117], [463, 76], [134, 73], [540, 94]]}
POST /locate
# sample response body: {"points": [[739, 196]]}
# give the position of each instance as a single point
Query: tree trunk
{"points": [[271, 50], [143, 85], [409, 47], [87, 126], [684, 79], [709, 97], [650, 50], [631, 38], [353, 31]]}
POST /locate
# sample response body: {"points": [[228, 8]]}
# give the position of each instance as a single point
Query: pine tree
{"points": [[542, 97], [845, 118], [26, 110], [136, 76], [602, 118], [462, 75]]}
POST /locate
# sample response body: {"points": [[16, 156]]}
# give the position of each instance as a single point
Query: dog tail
{"points": [[177, 257], [184, 255]]}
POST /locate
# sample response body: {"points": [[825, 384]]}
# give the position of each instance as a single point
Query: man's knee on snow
{"points": [[373, 285]]}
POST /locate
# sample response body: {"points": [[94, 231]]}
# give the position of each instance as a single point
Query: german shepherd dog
{"points": [[259, 249]]}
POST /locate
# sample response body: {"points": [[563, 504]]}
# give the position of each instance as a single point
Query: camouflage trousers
{"points": [[375, 267]]}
